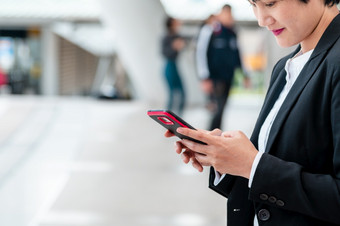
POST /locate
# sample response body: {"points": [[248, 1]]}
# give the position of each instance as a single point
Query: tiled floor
{"points": [[84, 162]]}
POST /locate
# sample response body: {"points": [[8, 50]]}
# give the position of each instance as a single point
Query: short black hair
{"points": [[168, 23], [327, 2]]}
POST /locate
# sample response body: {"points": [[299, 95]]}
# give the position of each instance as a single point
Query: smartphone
{"points": [[171, 121]]}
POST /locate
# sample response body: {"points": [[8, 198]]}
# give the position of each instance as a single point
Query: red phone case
{"points": [[171, 121]]}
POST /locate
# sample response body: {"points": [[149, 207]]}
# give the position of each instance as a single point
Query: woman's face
{"points": [[290, 21]]}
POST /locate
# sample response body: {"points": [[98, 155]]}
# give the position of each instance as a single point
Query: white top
{"points": [[293, 68], [202, 49]]}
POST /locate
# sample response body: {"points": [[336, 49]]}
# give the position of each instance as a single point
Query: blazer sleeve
{"points": [[297, 189], [315, 195], [224, 187]]}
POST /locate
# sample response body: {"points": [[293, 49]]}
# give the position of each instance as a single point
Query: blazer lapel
{"points": [[271, 97], [292, 97], [327, 40]]}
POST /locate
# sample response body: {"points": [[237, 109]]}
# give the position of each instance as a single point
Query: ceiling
{"points": [[49, 10], [201, 9], [71, 10]]}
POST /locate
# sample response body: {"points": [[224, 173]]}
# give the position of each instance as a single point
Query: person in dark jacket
{"points": [[172, 44], [288, 172], [217, 57]]}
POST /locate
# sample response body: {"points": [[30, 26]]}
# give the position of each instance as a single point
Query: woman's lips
{"points": [[277, 32]]}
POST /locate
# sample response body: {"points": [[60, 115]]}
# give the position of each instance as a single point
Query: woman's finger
{"points": [[195, 147], [197, 165], [169, 134], [200, 135], [202, 159]]}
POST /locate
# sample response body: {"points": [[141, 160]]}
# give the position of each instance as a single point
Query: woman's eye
{"points": [[270, 4]]}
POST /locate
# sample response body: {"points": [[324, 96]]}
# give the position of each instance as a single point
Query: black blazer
{"points": [[297, 181]]}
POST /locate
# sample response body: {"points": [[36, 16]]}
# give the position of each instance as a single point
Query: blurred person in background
{"points": [[217, 57], [172, 44], [288, 172], [203, 40]]}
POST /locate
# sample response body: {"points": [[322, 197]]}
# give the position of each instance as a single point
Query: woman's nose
{"points": [[264, 19]]}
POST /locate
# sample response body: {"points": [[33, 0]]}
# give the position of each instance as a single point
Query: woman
{"points": [[288, 173], [172, 44]]}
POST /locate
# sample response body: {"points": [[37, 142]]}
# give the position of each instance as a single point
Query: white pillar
{"points": [[138, 28], [49, 77]]}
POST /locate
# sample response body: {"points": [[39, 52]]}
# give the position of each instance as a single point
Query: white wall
{"points": [[138, 28], [49, 79]]}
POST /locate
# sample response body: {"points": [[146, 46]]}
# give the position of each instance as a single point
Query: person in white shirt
{"points": [[203, 40], [288, 172]]}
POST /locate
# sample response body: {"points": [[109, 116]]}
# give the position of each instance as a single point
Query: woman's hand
{"points": [[189, 155], [230, 153]]}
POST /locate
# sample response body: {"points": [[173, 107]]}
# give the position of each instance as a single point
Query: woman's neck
{"points": [[310, 43]]}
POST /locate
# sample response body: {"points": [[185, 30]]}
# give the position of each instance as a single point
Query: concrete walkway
{"points": [[84, 162]]}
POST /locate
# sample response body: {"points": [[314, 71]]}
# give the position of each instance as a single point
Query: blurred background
{"points": [[76, 80]]}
